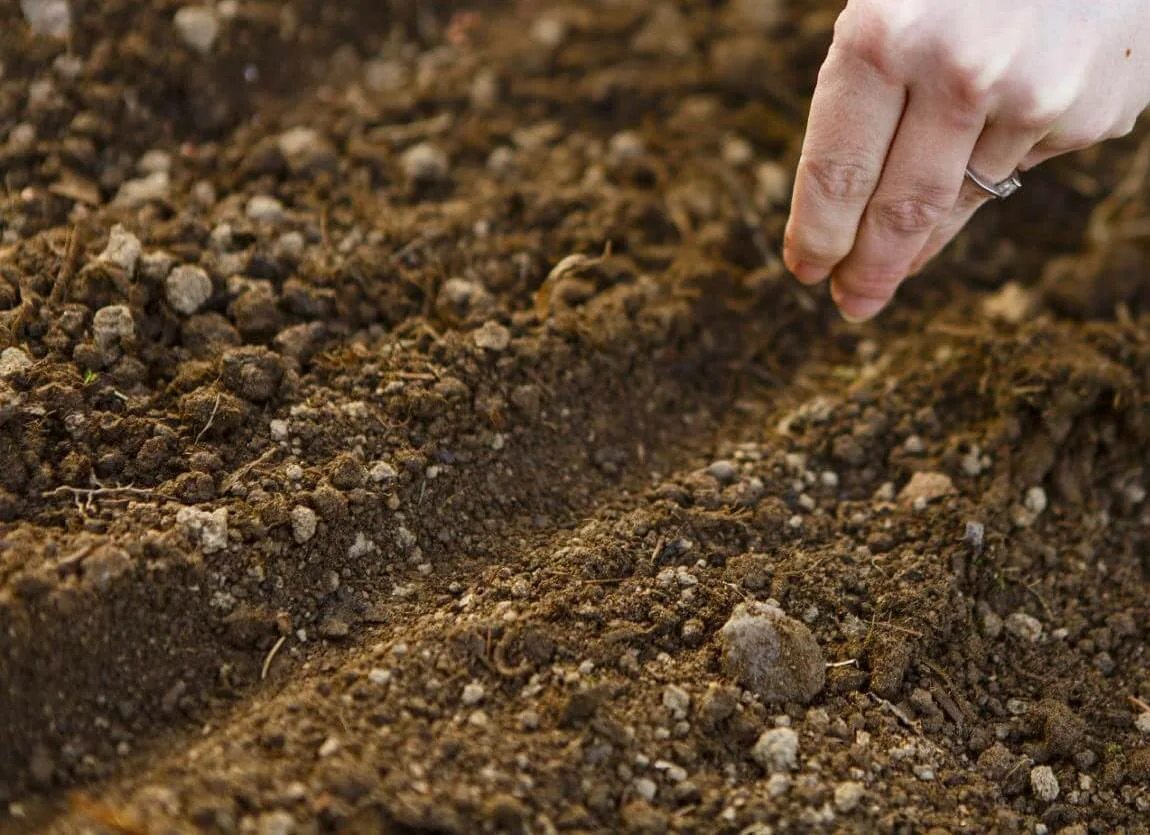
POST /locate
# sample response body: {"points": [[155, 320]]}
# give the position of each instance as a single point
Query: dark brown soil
{"points": [[413, 494]]}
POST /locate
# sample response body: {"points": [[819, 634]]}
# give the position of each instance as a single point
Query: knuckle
{"points": [[965, 81], [864, 32], [1035, 105], [913, 215], [840, 179]]}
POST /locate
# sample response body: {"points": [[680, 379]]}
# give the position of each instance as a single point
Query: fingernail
{"points": [[809, 273], [856, 309]]}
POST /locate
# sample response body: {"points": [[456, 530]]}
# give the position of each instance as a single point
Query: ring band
{"points": [[1000, 190]]}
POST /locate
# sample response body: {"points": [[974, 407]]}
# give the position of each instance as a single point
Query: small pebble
{"points": [[379, 676], [48, 17], [123, 250], [492, 337], [777, 750], [187, 288], [303, 523], [264, 209], [13, 361], [646, 788], [473, 694], [425, 164], [677, 700], [1023, 626], [111, 326], [723, 472], [1044, 783], [1035, 500], [926, 487], [329, 747], [848, 795], [772, 654], [1142, 723], [198, 27]]}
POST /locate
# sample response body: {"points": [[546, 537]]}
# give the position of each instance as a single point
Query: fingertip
{"points": [[809, 273], [854, 308]]}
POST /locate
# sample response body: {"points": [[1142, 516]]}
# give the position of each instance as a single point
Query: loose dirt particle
{"points": [[772, 654], [187, 289], [1044, 783], [777, 750]]}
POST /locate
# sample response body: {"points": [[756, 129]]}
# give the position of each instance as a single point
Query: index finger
{"points": [[854, 116]]}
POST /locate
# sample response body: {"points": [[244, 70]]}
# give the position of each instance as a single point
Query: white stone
{"points": [[1044, 783], [187, 288], [492, 337], [264, 209], [848, 795], [152, 187], [777, 750], [379, 676], [473, 694], [645, 787], [303, 523], [198, 27], [382, 471], [677, 700], [279, 822], [1026, 627], [1142, 723], [48, 17], [123, 250], [112, 325], [210, 527], [13, 361], [425, 163], [330, 746], [1035, 500]]}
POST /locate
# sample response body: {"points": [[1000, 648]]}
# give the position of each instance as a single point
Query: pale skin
{"points": [[914, 91]]}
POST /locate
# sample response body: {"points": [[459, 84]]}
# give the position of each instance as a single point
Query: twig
{"points": [[849, 662], [271, 657], [211, 419], [89, 492]]}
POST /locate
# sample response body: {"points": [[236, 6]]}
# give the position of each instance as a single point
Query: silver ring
{"points": [[998, 190]]}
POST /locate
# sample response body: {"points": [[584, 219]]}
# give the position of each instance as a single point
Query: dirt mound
{"points": [[394, 410]]}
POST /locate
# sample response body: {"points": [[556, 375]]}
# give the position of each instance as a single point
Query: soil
{"points": [[407, 426]]}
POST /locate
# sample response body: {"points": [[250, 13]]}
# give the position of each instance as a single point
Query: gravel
{"points": [[1142, 723], [926, 487], [772, 654], [473, 694], [112, 326], [425, 164], [777, 750], [264, 209], [156, 186], [493, 337], [198, 27], [1044, 783], [848, 795], [1023, 626], [303, 523], [209, 527], [187, 289], [123, 250], [723, 472], [48, 17], [677, 700], [13, 361]]}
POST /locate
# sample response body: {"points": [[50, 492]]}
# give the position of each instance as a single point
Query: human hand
{"points": [[914, 91]]}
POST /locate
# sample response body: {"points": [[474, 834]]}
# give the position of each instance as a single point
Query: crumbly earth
{"points": [[396, 463]]}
